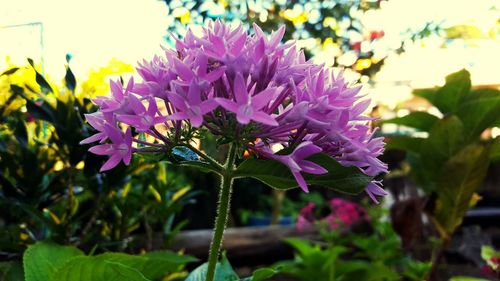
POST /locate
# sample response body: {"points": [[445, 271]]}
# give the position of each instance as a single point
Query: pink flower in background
{"points": [[343, 214], [306, 216]]}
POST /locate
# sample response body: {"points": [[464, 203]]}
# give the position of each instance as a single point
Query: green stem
{"points": [[222, 212], [205, 157]]}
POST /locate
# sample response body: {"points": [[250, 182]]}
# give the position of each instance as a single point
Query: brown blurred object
{"points": [[407, 220]]}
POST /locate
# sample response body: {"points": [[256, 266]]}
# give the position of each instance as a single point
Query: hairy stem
{"points": [[205, 157], [222, 212]]}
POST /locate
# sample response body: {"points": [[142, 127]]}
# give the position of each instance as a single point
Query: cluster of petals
{"points": [[251, 87], [342, 213]]}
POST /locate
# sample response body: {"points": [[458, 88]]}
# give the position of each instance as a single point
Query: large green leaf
{"points": [[105, 267], [223, 272], [480, 110], [446, 137], [404, 143], [428, 94], [461, 176], [273, 173], [162, 262], [419, 120], [44, 258], [448, 97]]}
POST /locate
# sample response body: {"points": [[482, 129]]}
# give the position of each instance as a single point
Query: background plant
{"points": [[50, 187], [367, 250], [451, 161]]}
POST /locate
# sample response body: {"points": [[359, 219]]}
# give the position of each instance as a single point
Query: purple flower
{"points": [[200, 76], [191, 107], [120, 148], [97, 120], [249, 88], [118, 102], [373, 189], [248, 107], [142, 119], [297, 163]]}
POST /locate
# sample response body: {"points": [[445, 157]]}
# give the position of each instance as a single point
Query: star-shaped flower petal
{"points": [[120, 148], [191, 107], [297, 163], [248, 107], [143, 119]]}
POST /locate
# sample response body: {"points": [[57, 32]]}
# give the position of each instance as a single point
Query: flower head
{"points": [[247, 88]]}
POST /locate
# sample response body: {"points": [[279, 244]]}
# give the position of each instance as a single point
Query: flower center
{"points": [[123, 148], [147, 120], [246, 110], [194, 111]]}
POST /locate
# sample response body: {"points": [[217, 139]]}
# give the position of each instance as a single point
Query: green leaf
{"points": [[446, 136], [200, 165], [461, 176], [105, 267], [419, 120], [10, 71], [303, 247], [163, 262], [183, 153], [44, 258], [404, 143], [21, 133], [448, 97], [495, 149], [223, 272], [262, 274], [42, 112], [40, 80], [428, 94], [481, 110], [487, 252], [466, 278], [69, 79], [11, 271], [273, 173]]}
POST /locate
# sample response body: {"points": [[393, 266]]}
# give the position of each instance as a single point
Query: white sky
{"points": [[95, 31]]}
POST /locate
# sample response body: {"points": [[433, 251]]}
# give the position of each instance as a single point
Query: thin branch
{"points": [[206, 157]]}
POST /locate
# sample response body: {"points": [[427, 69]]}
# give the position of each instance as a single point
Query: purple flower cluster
{"points": [[250, 89]]}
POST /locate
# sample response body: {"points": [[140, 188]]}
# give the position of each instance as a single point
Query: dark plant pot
{"points": [[266, 220]]}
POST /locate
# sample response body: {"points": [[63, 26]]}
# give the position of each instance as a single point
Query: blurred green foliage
{"points": [[349, 255], [332, 29], [450, 162], [50, 187]]}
